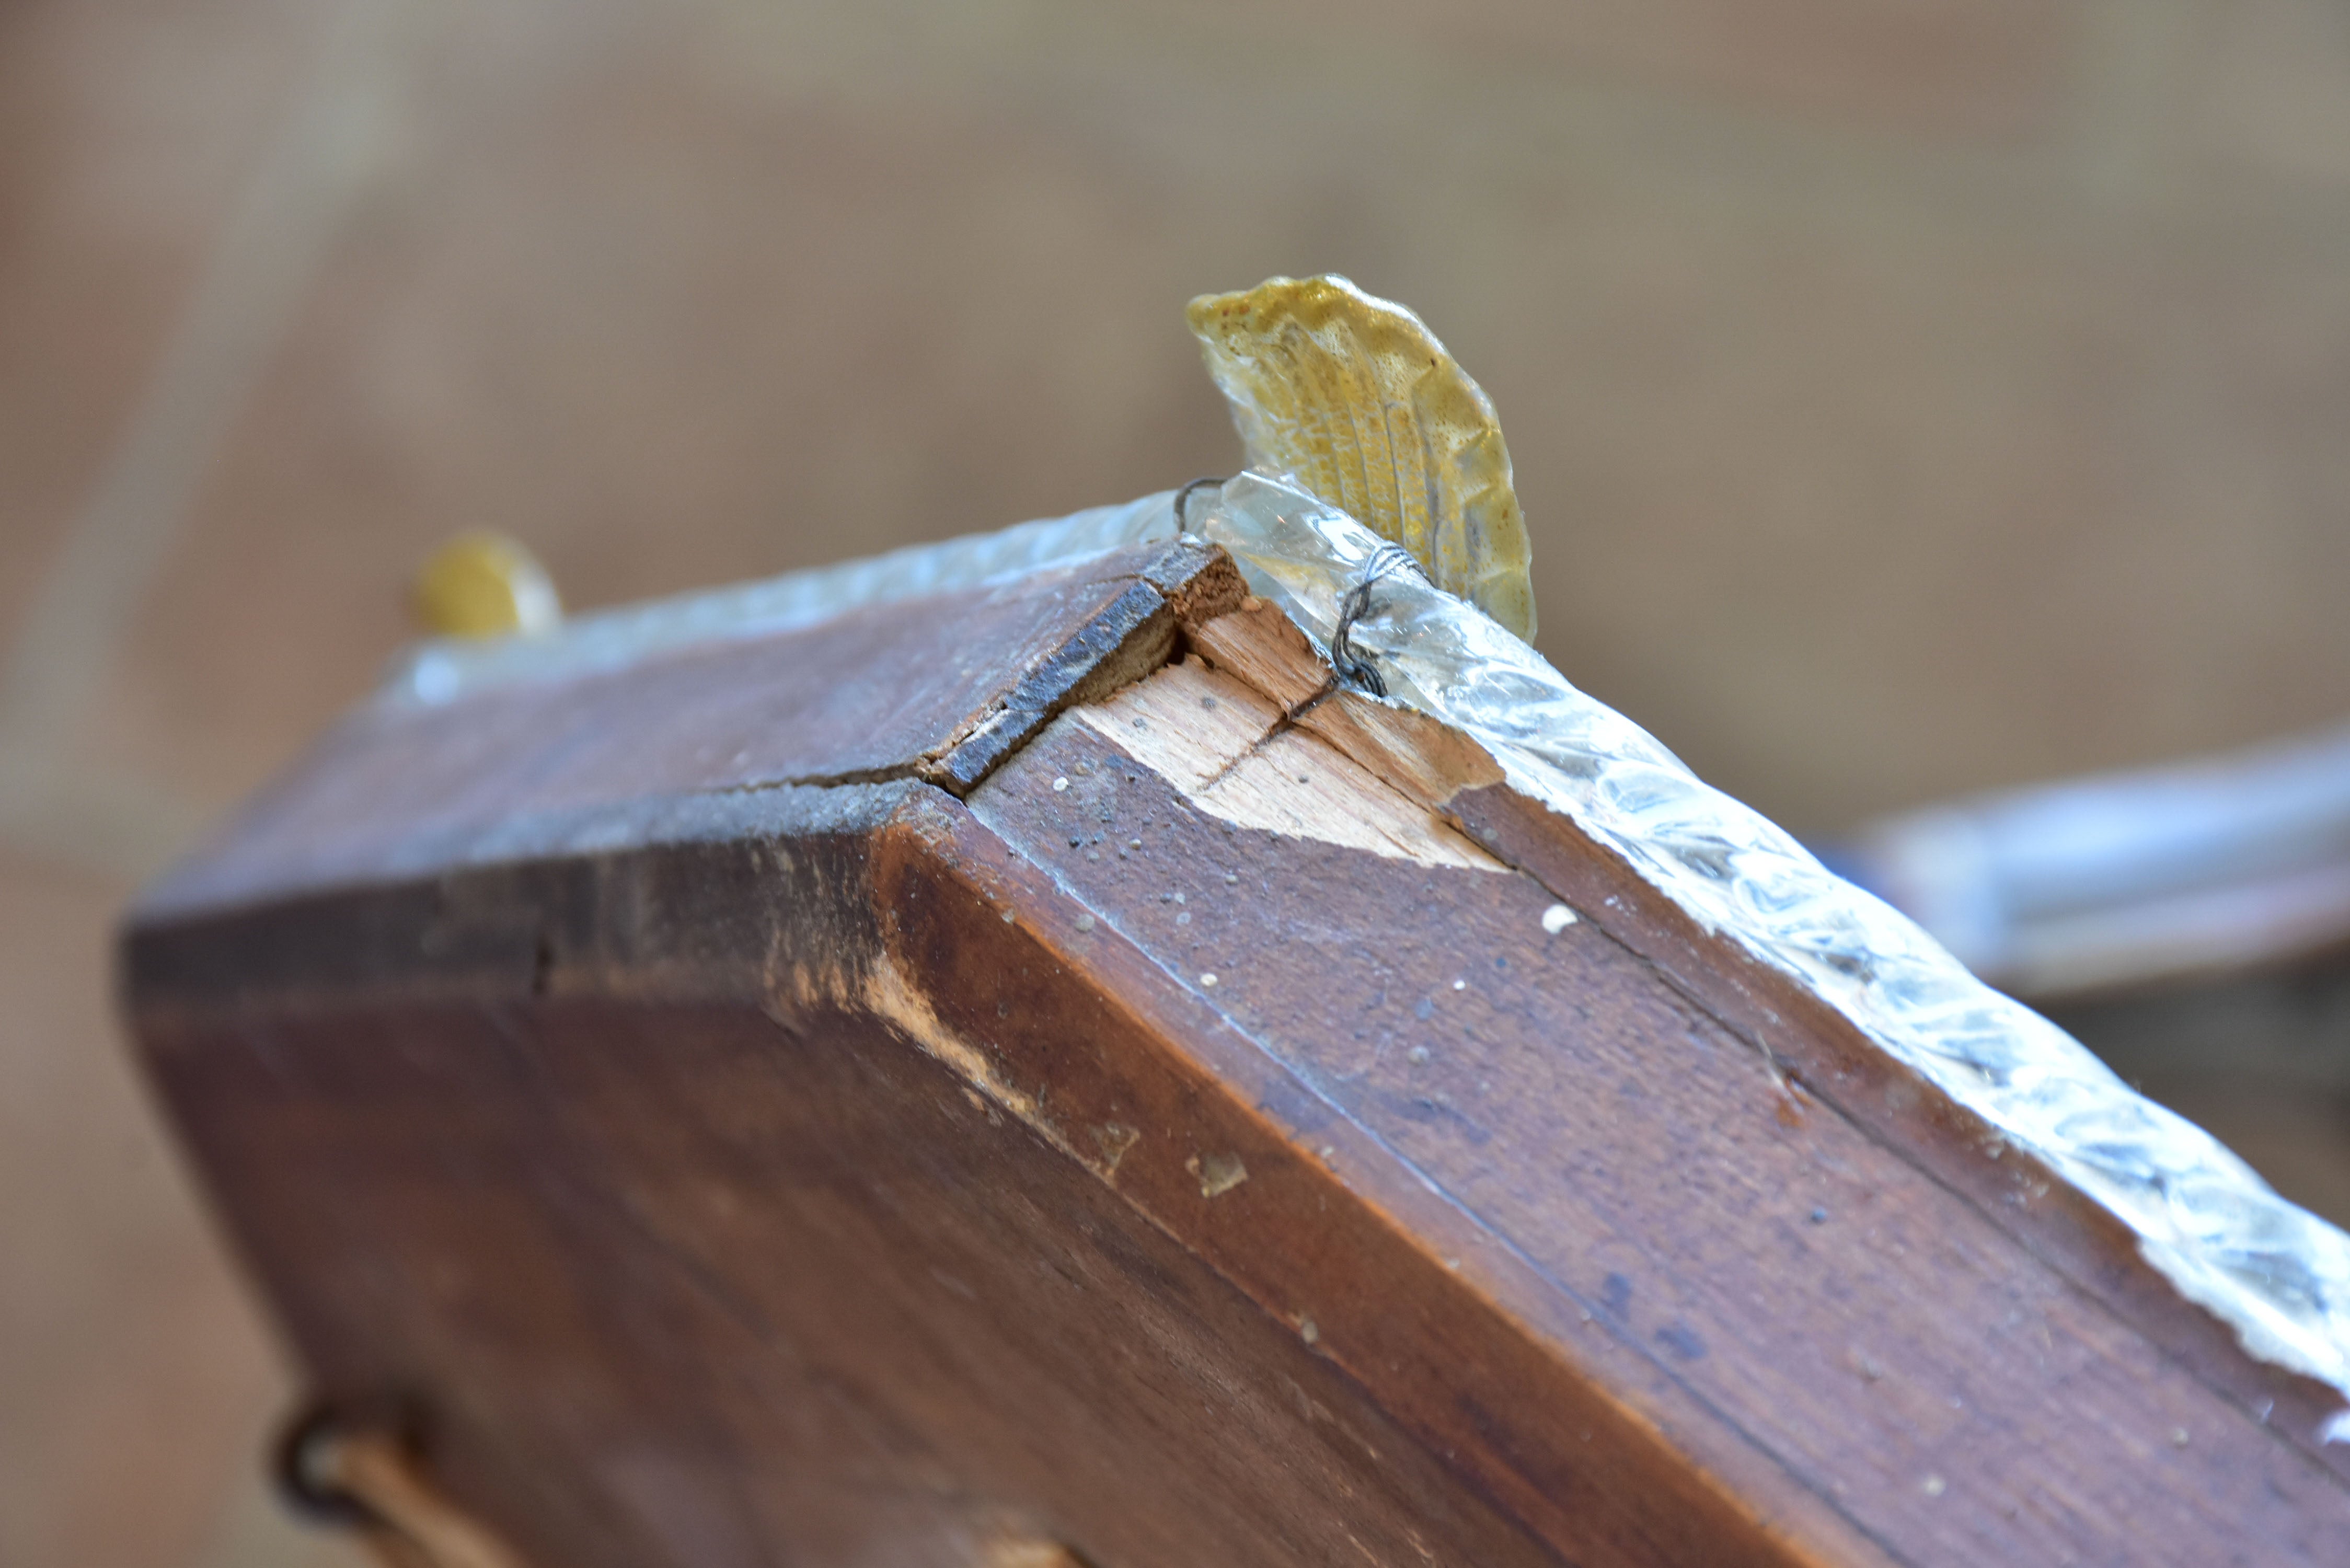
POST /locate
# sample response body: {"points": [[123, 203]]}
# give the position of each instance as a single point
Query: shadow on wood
{"points": [[1037, 1066]]}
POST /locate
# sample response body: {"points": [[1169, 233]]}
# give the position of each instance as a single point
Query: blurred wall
{"points": [[1907, 395]]}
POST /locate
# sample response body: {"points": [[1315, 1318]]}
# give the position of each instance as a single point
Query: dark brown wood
{"points": [[1825, 1058], [754, 1161], [940, 690]]}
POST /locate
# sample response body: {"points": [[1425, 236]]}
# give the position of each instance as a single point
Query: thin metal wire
{"points": [[1353, 665], [1183, 498]]}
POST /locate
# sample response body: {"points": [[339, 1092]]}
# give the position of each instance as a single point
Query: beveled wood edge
{"points": [[1392, 1244], [1166, 585], [1820, 1053], [1824, 1056]]}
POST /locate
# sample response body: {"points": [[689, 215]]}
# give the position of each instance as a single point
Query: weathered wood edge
{"points": [[1826, 1057], [942, 916], [692, 914], [395, 791], [1820, 1052], [1181, 584], [1758, 1004]]}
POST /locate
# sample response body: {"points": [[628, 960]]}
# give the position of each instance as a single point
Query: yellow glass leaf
{"points": [[1355, 396], [486, 585]]}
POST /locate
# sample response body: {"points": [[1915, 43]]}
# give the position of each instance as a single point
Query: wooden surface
{"points": [[940, 691], [1173, 1131]]}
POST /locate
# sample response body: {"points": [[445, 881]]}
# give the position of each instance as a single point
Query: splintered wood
{"points": [[1412, 752], [1250, 743], [841, 1166]]}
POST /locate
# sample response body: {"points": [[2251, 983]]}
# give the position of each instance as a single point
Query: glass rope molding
{"points": [[2277, 1275]]}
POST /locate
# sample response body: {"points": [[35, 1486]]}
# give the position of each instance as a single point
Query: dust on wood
{"points": [[1218, 1173]]}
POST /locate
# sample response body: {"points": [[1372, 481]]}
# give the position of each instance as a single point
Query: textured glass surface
{"points": [[1353, 397], [2277, 1275]]}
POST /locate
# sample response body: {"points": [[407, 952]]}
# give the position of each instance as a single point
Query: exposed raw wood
{"points": [[1813, 1048], [741, 1163], [1426, 760], [1190, 722], [1256, 642], [1237, 757]]}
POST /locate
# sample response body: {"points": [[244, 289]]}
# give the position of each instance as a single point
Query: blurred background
{"points": [[1908, 398]]}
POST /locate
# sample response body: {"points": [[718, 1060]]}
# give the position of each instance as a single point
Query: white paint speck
{"points": [[1935, 1486], [1557, 918], [1085, 922], [1208, 979], [1060, 785], [1460, 985]]}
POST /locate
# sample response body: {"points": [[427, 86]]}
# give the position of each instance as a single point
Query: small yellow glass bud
{"points": [[484, 584]]}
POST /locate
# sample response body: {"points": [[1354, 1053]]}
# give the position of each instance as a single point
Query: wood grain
{"points": [[940, 689], [1810, 1046], [1238, 757], [1123, 1164]]}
